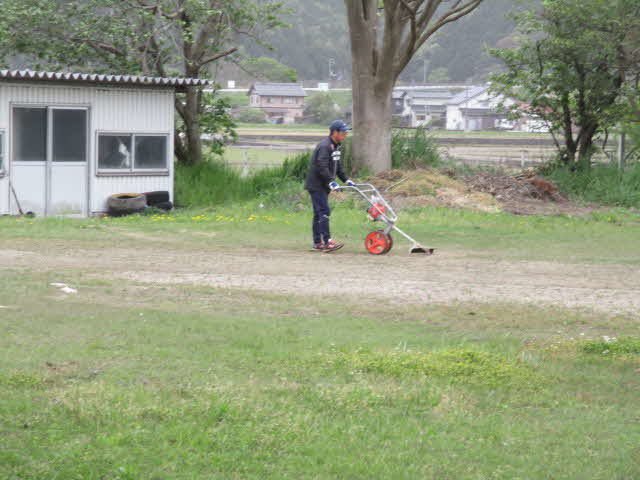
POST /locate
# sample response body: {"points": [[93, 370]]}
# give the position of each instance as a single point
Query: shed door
{"points": [[49, 168]]}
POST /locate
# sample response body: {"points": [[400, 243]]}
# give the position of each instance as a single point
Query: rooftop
{"points": [[180, 84], [467, 94], [279, 89]]}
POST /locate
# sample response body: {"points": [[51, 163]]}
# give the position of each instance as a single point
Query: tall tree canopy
{"points": [[576, 67], [149, 37], [383, 41]]}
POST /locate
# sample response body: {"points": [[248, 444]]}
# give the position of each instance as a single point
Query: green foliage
{"points": [[251, 115], [411, 149], [568, 69], [612, 346], [603, 184], [454, 364], [214, 183], [216, 122], [321, 107], [140, 38], [271, 70]]}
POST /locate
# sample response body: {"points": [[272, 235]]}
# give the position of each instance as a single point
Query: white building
{"points": [[69, 141], [474, 109]]}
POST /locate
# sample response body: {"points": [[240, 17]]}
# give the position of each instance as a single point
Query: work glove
{"points": [[350, 183], [334, 185]]}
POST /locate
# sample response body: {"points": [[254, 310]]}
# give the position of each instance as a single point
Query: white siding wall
{"points": [[127, 110], [4, 180]]}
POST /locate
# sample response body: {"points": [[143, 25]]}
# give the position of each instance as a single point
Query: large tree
{"points": [[573, 68], [148, 37], [384, 38]]}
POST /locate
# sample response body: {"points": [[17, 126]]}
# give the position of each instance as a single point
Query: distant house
{"points": [[429, 106], [281, 102], [474, 109]]}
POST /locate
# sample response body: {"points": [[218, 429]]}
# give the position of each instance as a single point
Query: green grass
{"points": [[604, 184], [256, 155], [125, 382]]}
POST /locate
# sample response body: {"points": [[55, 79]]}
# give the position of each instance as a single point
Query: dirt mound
{"points": [[507, 188], [427, 187], [524, 194]]}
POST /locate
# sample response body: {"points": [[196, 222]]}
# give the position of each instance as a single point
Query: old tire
{"points": [[126, 203], [155, 198], [164, 206]]}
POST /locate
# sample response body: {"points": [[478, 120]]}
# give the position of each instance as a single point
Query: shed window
{"points": [[30, 134], [129, 152], [151, 152], [69, 135]]}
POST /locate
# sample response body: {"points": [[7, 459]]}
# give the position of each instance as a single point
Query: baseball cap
{"points": [[340, 126]]}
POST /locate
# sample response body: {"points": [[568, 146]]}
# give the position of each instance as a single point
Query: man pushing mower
{"points": [[323, 169]]}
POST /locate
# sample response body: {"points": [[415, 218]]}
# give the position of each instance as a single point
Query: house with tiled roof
{"points": [[281, 102]]}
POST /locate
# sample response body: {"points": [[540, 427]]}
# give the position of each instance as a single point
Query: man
{"points": [[323, 169]]}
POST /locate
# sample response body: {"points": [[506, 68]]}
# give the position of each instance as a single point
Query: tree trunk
{"points": [[372, 126], [381, 47], [585, 148], [189, 148], [372, 88]]}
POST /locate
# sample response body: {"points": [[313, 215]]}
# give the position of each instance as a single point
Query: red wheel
{"points": [[378, 243]]}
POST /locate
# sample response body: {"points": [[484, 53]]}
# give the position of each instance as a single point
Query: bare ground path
{"points": [[446, 277]]}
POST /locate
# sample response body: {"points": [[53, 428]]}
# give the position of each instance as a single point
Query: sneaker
{"points": [[318, 247], [330, 246]]}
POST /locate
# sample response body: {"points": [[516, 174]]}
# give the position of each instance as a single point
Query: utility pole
{"points": [[332, 74], [424, 77]]}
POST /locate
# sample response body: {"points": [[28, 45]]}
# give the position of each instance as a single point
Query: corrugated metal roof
{"points": [[99, 79], [279, 89], [435, 94], [466, 95]]}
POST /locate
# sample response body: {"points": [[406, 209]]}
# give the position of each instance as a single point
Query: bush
{"points": [[251, 115], [411, 149], [321, 107], [604, 184], [215, 183]]}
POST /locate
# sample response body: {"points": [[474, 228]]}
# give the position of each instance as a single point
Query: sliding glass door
{"points": [[49, 167]]}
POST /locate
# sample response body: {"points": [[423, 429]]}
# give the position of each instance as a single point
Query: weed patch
{"points": [[612, 346], [460, 364], [19, 380]]}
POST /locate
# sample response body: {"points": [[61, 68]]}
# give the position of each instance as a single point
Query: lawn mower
{"points": [[380, 242]]}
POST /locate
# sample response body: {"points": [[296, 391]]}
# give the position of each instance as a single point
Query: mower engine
{"points": [[375, 211]]}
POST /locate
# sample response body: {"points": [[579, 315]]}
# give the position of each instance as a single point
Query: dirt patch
{"points": [[444, 278]]}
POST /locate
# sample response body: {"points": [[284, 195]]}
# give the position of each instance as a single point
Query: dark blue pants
{"points": [[321, 213]]}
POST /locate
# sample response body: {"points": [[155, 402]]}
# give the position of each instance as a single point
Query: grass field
{"points": [[257, 155], [133, 379]]}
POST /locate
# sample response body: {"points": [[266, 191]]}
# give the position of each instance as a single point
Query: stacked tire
{"points": [[159, 199]]}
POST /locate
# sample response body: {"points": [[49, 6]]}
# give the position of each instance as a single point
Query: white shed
{"points": [[69, 141]]}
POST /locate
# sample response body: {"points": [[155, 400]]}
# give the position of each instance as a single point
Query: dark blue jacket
{"points": [[322, 168]]}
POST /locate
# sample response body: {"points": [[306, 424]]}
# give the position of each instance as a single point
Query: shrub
{"points": [[411, 149], [604, 184], [251, 115]]}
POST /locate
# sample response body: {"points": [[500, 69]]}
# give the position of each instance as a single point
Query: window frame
{"points": [[132, 170]]}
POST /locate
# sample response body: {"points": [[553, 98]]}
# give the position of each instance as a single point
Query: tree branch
{"points": [[213, 58]]}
